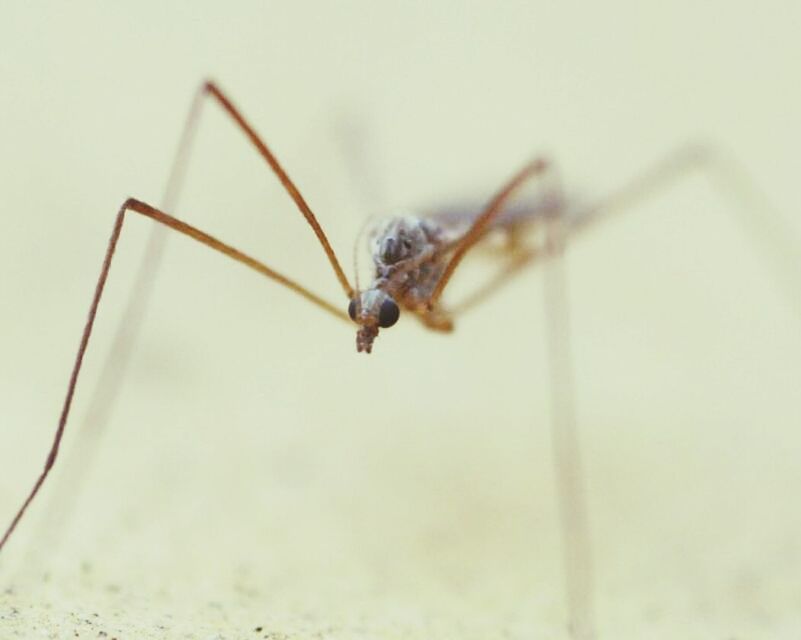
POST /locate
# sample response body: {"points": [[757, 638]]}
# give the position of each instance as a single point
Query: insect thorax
{"points": [[406, 252]]}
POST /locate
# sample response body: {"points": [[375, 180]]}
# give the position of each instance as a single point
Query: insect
{"points": [[414, 258]]}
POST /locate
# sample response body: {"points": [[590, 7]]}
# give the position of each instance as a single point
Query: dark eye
{"points": [[352, 309], [389, 313]]}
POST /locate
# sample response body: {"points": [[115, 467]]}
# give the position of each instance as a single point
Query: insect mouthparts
{"points": [[364, 338]]}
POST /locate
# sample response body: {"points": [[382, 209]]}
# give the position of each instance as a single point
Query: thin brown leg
{"points": [[187, 230], [214, 91], [479, 227], [114, 367], [574, 519], [210, 88], [115, 363]]}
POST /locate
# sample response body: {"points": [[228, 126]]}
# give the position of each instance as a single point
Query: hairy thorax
{"points": [[409, 257]]}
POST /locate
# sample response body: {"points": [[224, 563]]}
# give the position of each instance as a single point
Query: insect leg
{"points": [[476, 231], [187, 230], [770, 233], [211, 89], [114, 367], [570, 480]]}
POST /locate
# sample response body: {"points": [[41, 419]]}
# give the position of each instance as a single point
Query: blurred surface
{"points": [[257, 472]]}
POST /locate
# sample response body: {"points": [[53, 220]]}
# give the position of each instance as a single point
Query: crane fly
{"points": [[414, 258]]}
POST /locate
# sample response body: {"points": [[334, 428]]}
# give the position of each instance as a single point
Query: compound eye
{"points": [[388, 314], [352, 309]]}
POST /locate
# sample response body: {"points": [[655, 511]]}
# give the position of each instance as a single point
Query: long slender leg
{"points": [[771, 235], [187, 230], [214, 91], [136, 307], [115, 365], [178, 171], [574, 520], [477, 230], [570, 480], [116, 361]]}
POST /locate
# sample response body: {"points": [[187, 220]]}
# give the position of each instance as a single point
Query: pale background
{"points": [[257, 472]]}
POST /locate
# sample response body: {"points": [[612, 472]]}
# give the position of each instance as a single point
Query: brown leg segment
{"points": [[211, 89], [188, 230], [491, 211]]}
